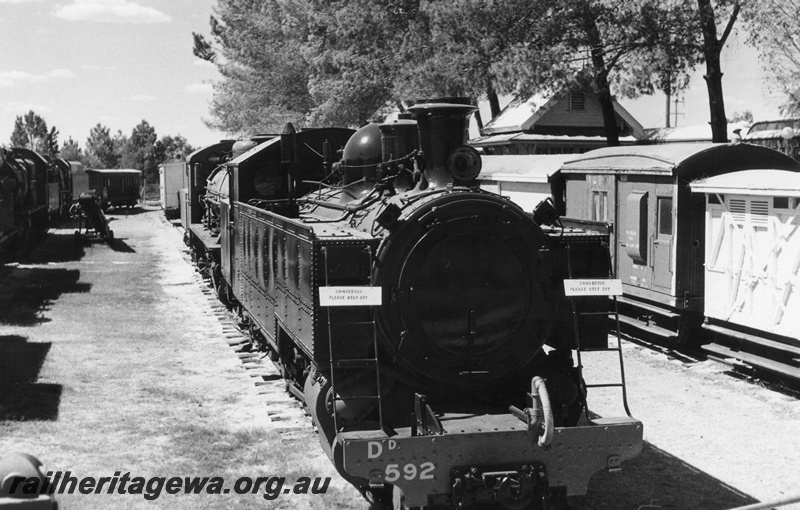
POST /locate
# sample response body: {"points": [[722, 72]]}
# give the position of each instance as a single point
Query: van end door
{"points": [[663, 244]]}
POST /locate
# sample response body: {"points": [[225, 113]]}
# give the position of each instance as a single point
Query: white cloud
{"points": [[61, 73], [14, 78], [199, 88], [18, 1], [21, 108], [143, 98], [110, 11]]}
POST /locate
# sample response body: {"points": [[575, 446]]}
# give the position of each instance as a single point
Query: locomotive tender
{"points": [[409, 310]]}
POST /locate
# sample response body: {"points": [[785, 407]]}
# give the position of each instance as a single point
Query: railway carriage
{"points": [[171, 179], [659, 225], [752, 261], [409, 311], [116, 187]]}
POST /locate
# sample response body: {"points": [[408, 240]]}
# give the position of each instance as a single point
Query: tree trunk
{"points": [[494, 102], [712, 47], [716, 101], [601, 83], [607, 106], [478, 120]]}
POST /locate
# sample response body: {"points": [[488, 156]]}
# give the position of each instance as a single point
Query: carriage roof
{"points": [[684, 160], [752, 182], [111, 171]]}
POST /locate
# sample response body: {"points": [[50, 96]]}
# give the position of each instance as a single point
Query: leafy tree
{"points": [[457, 44], [341, 61], [118, 142], [622, 47], [139, 150], [30, 132], [304, 61], [172, 148], [774, 28], [71, 151], [356, 49], [746, 116], [100, 149], [257, 49]]}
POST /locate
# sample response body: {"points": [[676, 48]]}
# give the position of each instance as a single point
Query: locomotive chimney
{"points": [[443, 125]]}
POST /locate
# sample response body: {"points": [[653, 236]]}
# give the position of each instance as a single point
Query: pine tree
{"points": [[100, 149], [31, 132]]}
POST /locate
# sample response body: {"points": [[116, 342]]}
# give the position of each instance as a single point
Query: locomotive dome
{"points": [[363, 148], [360, 159]]}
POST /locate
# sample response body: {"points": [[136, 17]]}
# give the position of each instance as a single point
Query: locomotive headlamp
{"points": [[545, 213], [464, 164], [389, 216]]}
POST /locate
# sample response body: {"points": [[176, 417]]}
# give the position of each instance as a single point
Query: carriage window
{"points": [[713, 198], [665, 216], [780, 202]]}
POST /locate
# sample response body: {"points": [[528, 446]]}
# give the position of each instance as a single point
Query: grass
{"points": [[137, 378]]}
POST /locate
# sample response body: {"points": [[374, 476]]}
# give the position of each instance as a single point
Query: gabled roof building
{"points": [[565, 122]]}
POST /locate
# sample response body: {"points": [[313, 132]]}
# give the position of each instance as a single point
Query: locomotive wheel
{"points": [[222, 293]]}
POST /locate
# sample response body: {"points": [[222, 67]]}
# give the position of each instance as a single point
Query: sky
{"points": [[78, 63]]}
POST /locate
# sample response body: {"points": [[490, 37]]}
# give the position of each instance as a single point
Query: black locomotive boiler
{"points": [[422, 321]]}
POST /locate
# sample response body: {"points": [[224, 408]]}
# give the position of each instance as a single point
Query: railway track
{"points": [[733, 353], [287, 415], [748, 351]]}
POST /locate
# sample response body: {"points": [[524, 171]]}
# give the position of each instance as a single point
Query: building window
{"points": [[577, 101]]}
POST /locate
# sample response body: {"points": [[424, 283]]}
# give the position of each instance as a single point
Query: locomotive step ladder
{"points": [[346, 332], [613, 312]]}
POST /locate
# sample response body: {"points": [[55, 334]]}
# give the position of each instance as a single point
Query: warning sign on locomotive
{"points": [[350, 296], [593, 287]]}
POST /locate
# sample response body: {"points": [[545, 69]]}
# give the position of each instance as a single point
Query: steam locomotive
{"points": [[33, 191], [422, 321]]}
